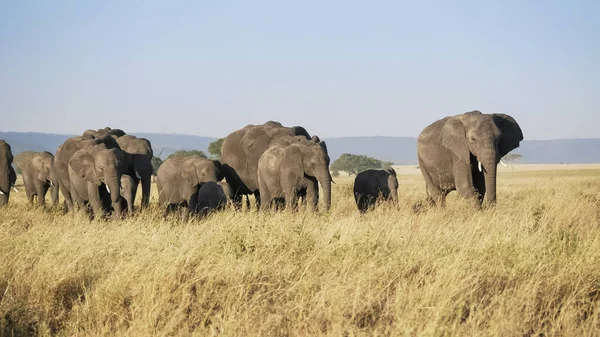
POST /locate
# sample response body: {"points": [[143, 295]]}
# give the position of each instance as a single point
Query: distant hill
{"points": [[400, 150]]}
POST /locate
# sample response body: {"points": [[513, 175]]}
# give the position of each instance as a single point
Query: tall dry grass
{"points": [[528, 267]]}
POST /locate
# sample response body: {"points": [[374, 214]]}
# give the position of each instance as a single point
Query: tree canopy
{"points": [[156, 162], [512, 157], [214, 148], [187, 153], [354, 164]]}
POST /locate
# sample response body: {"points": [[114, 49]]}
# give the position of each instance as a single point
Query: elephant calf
{"points": [[213, 196], [369, 185], [179, 178], [38, 175], [128, 189]]}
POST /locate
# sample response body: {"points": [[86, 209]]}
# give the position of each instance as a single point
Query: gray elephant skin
{"points": [[212, 197], [139, 153], [128, 189], [284, 170], [462, 153], [179, 178], [8, 177], [241, 151], [95, 168], [371, 185], [38, 175], [63, 156]]}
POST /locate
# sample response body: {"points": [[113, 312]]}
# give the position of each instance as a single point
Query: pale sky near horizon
{"points": [[339, 68]]}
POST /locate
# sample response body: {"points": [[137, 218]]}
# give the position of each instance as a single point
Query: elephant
{"points": [[63, 156], [128, 189], [38, 175], [213, 196], [284, 170], [8, 177], [462, 152], [139, 152], [101, 133], [370, 185], [179, 178], [242, 149], [92, 169]]}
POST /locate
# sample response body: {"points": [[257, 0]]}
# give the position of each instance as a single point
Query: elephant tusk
{"points": [[15, 189], [479, 166], [503, 163], [1, 193], [51, 183], [108, 189], [137, 174]]}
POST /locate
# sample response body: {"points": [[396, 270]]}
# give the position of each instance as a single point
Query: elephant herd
{"points": [[100, 170]]}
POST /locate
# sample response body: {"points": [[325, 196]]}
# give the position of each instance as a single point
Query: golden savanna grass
{"points": [[528, 267]]}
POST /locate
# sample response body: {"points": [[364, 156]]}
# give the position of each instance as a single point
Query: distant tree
{"points": [[214, 148], [335, 174], [156, 162], [512, 157], [187, 153], [354, 164]]}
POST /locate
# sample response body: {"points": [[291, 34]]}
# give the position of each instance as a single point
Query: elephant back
{"points": [[243, 148]]}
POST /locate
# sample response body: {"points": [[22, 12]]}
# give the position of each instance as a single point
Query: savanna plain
{"points": [[530, 266]]}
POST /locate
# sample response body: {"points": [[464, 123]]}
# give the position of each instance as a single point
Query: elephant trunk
{"points": [[54, 192], [491, 167], [325, 180], [114, 185]]}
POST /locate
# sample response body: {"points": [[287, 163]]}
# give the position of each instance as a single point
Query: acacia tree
{"points": [[214, 148], [512, 157], [187, 153], [156, 162], [354, 164]]}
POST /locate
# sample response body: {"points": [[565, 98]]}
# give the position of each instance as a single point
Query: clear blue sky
{"points": [[339, 68]]}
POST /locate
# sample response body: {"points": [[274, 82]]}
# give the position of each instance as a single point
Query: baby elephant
{"points": [[213, 196], [128, 190], [370, 184]]}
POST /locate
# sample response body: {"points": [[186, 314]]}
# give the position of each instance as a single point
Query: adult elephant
{"points": [[7, 173], [139, 151], [242, 149], [101, 133], [38, 175], [63, 156], [94, 168], [179, 178], [284, 170], [462, 153]]}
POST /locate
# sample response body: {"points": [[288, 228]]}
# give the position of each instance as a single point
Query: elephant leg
{"points": [[247, 202], [94, 200], [40, 190], [312, 193], [146, 183], [257, 198], [291, 198], [464, 182], [266, 198], [66, 192]]}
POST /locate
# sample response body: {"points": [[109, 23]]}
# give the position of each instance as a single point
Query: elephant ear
{"points": [[454, 138], [188, 173], [300, 131], [323, 145], [41, 169], [83, 165], [219, 170], [511, 133]]}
